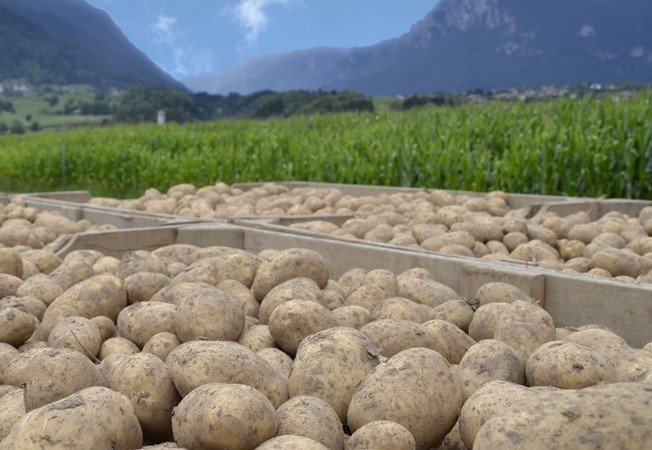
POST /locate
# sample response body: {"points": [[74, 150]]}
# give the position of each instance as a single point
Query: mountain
{"points": [[71, 42], [468, 44]]}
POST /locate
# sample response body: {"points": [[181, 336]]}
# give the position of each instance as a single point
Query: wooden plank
{"points": [[116, 243], [624, 308], [68, 196]]}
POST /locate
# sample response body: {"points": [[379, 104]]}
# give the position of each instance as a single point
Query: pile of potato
{"points": [[615, 246], [218, 348], [28, 228]]}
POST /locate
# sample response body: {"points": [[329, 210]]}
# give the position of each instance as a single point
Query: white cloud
{"points": [[587, 31], [165, 29], [637, 52], [251, 16], [185, 60]]}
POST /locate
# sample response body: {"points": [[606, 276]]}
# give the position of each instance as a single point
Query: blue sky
{"points": [[190, 37]]}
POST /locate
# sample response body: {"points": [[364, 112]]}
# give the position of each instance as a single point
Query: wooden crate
{"points": [[571, 300]]}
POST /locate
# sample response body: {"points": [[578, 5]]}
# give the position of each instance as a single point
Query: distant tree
{"points": [[35, 126], [271, 107], [17, 127], [3, 128], [53, 101], [141, 104], [7, 106], [28, 117]]}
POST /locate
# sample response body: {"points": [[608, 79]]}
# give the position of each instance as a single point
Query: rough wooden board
{"points": [[207, 236], [630, 207], [68, 196], [622, 307], [72, 211], [116, 243]]}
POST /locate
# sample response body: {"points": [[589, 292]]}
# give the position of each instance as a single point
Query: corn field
{"points": [[586, 147]]}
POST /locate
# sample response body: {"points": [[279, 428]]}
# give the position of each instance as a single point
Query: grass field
{"points": [[35, 105], [585, 147]]}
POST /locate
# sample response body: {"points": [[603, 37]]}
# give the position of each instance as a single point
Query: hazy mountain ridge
{"points": [[68, 42], [467, 44]]}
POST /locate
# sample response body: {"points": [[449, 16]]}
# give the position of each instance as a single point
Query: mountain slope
{"points": [[490, 44], [69, 41]]}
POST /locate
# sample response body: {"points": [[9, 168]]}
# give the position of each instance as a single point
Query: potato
{"points": [[90, 256], [184, 253], [53, 315], [618, 262], [42, 288], [458, 312], [5, 389], [243, 294], [11, 262], [310, 417], [101, 295], [16, 326], [369, 296], [605, 342], [195, 363], [175, 293], [584, 232], [107, 264], [95, 417], [523, 337], [9, 284], [106, 326], [485, 320], [144, 380], [72, 272], [290, 443], [381, 435], [489, 360], [246, 418], [12, 409], [295, 289], [117, 345], [32, 305], [77, 333], [257, 338], [330, 364], [497, 292], [7, 352], [489, 400], [209, 315], [568, 366], [514, 239], [429, 405], [54, 374], [352, 278], [609, 416], [402, 309], [225, 264], [436, 243], [393, 336], [332, 299], [451, 342], [278, 360], [143, 285], [14, 370], [140, 261], [425, 291], [383, 278], [140, 321], [161, 344], [292, 321], [289, 264], [635, 365], [44, 260], [542, 233], [353, 316]]}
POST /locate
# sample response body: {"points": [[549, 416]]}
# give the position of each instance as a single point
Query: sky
{"points": [[191, 37]]}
